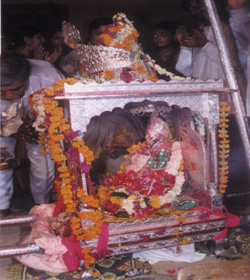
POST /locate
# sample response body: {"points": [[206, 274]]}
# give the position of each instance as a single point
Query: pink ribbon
{"points": [[231, 220], [103, 241]]}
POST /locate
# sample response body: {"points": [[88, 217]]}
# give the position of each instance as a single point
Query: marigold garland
{"points": [[123, 35], [51, 135], [224, 148]]}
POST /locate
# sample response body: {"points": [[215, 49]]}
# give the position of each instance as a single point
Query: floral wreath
{"points": [[53, 129], [140, 193]]}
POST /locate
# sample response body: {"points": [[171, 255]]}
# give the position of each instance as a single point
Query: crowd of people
{"points": [[29, 63]]}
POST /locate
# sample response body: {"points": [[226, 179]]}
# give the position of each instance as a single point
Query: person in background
{"points": [[199, 56], [70, 65], [55, 46], [29, 42], [239, 11], [15, 71], [19, 118], [96, 28], [165, 47]]}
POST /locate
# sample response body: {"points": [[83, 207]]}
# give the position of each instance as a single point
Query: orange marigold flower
{"points": [[224, 135], [223, 103], [224, 120], [128, 48], [115, 28], [185, 241], [85, 250], [118, 45], [224, 151], [223, 125], [222, 186], [224, 141], [223, 180], [64, 175], [152, 78], [224, 146], [223, 168], [223, 156], [106, 39], [135, 33], [223, 173], [223, 163], [108, 74], [177, 232], [181, 219], [225, 109], [155, 202], [65, 127], [222, 191], [66, 181]]}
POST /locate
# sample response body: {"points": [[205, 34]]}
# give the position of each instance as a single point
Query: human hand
{"points": [[236, 4], [180, 33], [164, 55], [4, 153], [27, 132], [198, 40], [54, 56], [39, 52]]}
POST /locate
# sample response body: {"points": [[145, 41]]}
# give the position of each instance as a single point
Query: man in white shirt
{"points": [[199, 56], [20, 78], [240, 24], [42, 74]]}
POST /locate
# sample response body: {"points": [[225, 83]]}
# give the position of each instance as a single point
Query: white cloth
{"points": [[42, 74], [11, 117], [201, 63], [42, 169], [187, 254]]}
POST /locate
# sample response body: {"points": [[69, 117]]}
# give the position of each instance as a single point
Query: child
{"points": [[165, 48]]}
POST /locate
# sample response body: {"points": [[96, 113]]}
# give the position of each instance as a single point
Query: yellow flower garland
{"points": [[223, 151], [52, 139]]}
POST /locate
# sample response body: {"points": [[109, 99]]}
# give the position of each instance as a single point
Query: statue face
{"points": [[156, 127]]}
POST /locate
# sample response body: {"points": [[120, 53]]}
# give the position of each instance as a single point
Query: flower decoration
{"points": [[123, 35], [143, 192], [54, 129], [224, 147]]}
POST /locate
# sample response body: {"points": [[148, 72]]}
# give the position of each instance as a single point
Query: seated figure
{"points": [[153, 176], [108, 136]]}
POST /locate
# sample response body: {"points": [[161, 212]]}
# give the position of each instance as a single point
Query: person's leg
{"points": [[42, 171], [7, 145]]}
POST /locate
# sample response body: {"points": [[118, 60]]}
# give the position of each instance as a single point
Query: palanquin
{"points": [[202, 99]]}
